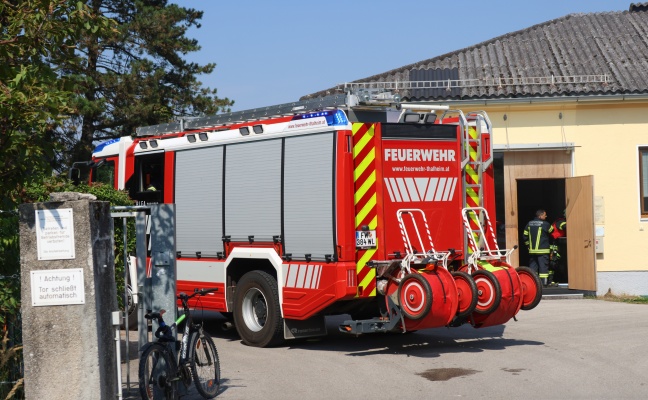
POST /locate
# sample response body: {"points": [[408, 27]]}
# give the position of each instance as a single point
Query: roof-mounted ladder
{"points": [[346, 100], [298, 107]]}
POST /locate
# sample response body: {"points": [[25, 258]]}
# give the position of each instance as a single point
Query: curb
{"points": [[575, 296]]}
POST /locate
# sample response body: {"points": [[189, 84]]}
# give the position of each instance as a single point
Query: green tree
{"points": [[136, 76], [36, 37]]}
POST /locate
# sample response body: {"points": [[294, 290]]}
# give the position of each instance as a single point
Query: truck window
{"points": [[104, 172], [147, 183]]}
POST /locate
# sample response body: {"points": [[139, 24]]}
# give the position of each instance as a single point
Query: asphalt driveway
{"points": [[563, 349]]}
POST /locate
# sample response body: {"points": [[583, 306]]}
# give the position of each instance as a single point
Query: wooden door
{"points": [[581, 257]]}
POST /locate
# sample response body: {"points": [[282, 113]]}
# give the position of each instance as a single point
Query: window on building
{"points": [[643, 181]]}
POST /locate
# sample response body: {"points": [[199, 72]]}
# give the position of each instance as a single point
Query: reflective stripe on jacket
{"points": [[536, 236]]}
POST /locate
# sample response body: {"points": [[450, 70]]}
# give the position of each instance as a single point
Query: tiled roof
{"points": [[579, 54]]}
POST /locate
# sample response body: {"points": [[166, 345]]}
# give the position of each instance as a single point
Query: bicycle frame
{"points": [[180, 359], [166, 335], [189, 328]]}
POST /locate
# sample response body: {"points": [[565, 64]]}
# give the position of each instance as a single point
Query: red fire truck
{"points": [[347, 204]]}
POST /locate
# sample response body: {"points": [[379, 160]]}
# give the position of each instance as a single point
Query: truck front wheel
{"points": [[257, 313]]}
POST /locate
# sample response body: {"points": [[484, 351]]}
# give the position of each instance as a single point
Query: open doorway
{"points": [[549, 195]]}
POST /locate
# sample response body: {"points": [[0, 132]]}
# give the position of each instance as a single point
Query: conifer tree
{"points": [[37, 37], [137, 75]]}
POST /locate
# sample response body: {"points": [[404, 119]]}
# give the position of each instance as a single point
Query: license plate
{"points": [[365, 239]]}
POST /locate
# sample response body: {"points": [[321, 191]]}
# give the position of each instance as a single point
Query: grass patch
{"points": [[624, 298]]}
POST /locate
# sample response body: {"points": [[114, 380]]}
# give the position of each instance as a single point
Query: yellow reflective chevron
{"points": [[365, 200], [472, 197], [473, 184], [474, 176], [366, 138], [365, 187], [366, 163], [370, 206]]}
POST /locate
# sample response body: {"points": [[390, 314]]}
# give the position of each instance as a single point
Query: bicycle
{"points": [[160, 369]]}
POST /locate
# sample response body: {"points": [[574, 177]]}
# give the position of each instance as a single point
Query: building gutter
{"points": [[502, 148], [547, 100]]}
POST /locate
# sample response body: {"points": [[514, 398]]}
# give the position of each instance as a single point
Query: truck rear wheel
{"points": [[467, 293], [415, 296], [257, 314], [489, 291], [531, 288]]}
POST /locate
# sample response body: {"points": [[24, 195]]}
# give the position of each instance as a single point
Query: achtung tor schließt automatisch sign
{"points": [[56, 287]]}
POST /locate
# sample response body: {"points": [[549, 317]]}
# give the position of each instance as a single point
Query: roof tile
{"points": [[569, 49]]}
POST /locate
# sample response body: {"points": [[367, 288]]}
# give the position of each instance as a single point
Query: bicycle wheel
{"points": [[205, 366], [156, 372]]}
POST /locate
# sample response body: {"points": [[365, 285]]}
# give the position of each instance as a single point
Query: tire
{"points": [[257, 315], [531, 288], [489, 291], [467, 293], [415, 296], [156, 370], [204, 364]]}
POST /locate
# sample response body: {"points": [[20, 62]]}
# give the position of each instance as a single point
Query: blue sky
{"points": [[272, 52]]}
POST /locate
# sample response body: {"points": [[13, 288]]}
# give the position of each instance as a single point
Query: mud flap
{"points": [[312, 327]]}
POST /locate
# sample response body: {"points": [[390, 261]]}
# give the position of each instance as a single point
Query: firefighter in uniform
{"points": [[560, 227], [536, 238]]}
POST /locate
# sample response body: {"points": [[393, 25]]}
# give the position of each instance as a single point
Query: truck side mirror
{"points": [[74, 174]]}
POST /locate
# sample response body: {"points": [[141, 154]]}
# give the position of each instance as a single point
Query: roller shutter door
{"points": [[253, 190], [308, 195], [198, 196]]}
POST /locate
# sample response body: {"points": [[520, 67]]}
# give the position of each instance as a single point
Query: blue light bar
{"points": [[333, 117], [101, 146], [339, 118]]}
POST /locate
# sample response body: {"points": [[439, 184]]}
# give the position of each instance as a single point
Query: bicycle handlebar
{"points": [[205, 291], [181, 296]]}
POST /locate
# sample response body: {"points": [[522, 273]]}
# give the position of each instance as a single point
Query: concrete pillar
{"points": [[68, 294]]}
